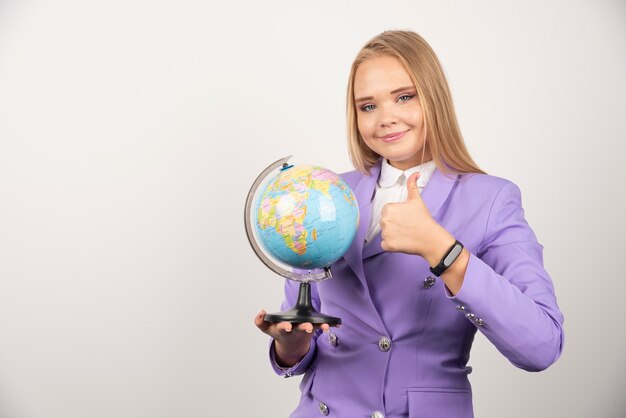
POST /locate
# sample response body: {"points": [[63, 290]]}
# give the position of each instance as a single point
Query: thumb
{"points": [[411, 187], [259, 320]]}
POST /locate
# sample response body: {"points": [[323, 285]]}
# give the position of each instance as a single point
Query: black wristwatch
{"points": [[447, 259]]}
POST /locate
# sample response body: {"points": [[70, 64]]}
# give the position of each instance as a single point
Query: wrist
{"points": [[441, 241], [289, 356], [448, 259]]}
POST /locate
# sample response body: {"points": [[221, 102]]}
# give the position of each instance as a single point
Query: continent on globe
{"points": [[306, 216]]}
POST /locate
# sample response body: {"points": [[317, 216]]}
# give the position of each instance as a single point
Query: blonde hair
{"points": [[443, 136]]}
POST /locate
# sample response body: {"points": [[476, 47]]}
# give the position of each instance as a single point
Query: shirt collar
{"points": [[389, 175]]}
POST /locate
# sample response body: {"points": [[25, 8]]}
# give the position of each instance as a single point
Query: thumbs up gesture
{"points": [[409, 227]]}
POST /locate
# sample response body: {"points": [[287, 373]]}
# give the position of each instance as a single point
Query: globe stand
{"points": [[303, 311]]}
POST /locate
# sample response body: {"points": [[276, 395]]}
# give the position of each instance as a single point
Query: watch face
{"points": [[454, 253]]}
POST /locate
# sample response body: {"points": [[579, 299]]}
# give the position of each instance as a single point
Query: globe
{"points": [[306, 216]]}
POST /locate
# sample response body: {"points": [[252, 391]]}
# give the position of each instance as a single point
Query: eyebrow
{"points": [[361, 99]]}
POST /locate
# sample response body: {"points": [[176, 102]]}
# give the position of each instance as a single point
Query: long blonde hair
{"points": [[443, 136]]}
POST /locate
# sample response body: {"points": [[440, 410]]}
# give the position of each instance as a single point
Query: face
{"points": [[389, 115]]}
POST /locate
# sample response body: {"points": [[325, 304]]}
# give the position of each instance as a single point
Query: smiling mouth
{"points": [[393, 137]]}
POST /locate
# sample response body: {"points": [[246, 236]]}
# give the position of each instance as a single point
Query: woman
{"points": [[442, 250]]}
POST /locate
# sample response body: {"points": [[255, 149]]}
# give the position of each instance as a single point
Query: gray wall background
{"points": [[130, 132]]}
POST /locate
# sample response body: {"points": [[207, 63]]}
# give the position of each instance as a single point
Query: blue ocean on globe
{"points": [[306, 217]]}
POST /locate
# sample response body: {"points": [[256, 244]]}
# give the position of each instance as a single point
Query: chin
{"points": [[408, 162]]}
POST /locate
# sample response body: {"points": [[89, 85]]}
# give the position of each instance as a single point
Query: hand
{"points": [[409, 227], [292, 341]]}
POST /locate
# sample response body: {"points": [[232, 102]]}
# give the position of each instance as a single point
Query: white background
{"points": [[130, 132]]}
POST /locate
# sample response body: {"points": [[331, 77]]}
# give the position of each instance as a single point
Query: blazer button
{"points": [[332, 339], [460, 308], [480, 322], [384, 344], [470, 316], [429, 282], [323, 409], [377, 414]]}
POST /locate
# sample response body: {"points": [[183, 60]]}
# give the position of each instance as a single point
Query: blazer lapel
{"points": [[437, 191], [434, 196], [363, 192]]}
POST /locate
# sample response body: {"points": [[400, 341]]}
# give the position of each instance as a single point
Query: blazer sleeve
{"points": [[291, 295], [506, 291]]}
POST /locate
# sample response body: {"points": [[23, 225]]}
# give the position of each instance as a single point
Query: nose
{"points": [[387, 117]]}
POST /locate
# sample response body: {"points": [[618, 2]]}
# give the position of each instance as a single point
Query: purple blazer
{"points": [[405, 341]]}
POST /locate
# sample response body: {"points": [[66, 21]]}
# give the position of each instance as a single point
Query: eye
{"points": [[405, 97], [368, 108]]}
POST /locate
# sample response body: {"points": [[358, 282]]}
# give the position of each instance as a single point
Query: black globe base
{"points": [[303, 311]]}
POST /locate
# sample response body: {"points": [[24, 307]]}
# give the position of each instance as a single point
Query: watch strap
{"points": [[447, 260]]}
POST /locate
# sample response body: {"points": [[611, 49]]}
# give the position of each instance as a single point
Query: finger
{"points": [[305, 327], [284, 327], [387, 211], [411, 187], [259, 320], [325, 327]]}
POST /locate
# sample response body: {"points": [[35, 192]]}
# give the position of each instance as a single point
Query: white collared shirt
{"points": [[391, 187]]}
